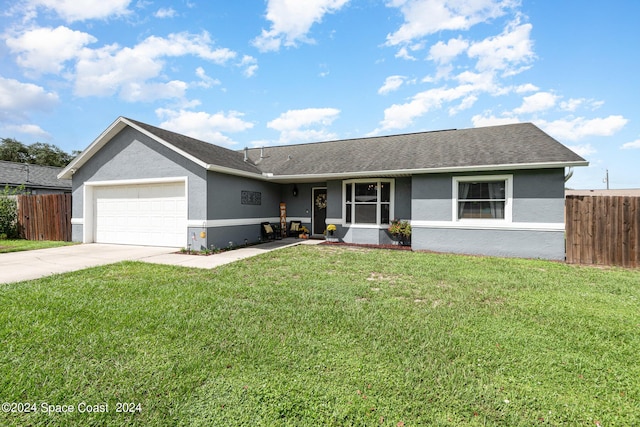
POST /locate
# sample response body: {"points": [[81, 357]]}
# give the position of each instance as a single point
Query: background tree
{"points": [[12, 150], [48, 155], [39, 153]]}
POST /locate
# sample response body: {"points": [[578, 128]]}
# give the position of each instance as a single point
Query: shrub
{"points": [[9, 212]]}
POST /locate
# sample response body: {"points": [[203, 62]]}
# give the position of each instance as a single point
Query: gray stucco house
{"points": [[36, 179], [495, 190]]}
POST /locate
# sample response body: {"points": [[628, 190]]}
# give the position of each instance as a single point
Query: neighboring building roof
{"points": [[635, 192], [32, 176], [516, 146]]}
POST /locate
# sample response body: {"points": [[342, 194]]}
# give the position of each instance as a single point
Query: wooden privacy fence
{"points": [[45, 217], [603, 230]]}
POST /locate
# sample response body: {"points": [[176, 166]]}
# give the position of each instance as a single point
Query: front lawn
{"points": [[322, 335], [16, 245]]}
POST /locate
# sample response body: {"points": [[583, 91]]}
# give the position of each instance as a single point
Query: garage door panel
{"points": [[150, 214]]}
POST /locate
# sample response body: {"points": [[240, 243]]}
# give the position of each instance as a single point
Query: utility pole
{"points": [[606, 178]]}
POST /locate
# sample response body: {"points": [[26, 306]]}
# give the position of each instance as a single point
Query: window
{"points": [[368, 201], [482, 198]]}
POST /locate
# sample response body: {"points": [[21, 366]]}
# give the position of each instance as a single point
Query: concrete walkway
{"points": [[27, 265]]}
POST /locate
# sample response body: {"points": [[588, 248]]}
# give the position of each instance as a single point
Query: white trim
{"points": [[334, 221], [114, 129], [417, 171], [231, 222], [392, 202], [237, 172], [77, 221], [508, 206], [234, 222], [140, 181], [513, 226], [369, 226]]}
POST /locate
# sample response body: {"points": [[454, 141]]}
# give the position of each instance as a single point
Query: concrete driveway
{"points": [[27, 265]]}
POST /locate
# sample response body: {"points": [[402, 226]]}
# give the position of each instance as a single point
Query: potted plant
{"points": [[331, 229], [400, 230]]}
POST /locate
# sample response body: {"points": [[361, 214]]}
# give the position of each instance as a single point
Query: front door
{"points": [[318, 222]]}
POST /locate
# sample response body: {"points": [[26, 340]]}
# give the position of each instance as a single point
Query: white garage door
{"points": [[149, 214]]}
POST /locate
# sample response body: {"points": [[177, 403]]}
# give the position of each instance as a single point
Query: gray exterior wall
{"points": [[538, 198], [224, 202], [133, 155]]}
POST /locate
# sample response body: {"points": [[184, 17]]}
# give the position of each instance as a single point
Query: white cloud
{"points": [[527, 87], [45, 50], [165, 12], [250, 65], [403, 53], [291, 124], [583, 150], [632, 144], [444, 53], [482, 121], [111, 69], [148, 92], [578, 128], [17, 97], [513, 48], [32, 130], [466, 103], [291, 20], [574, 103], [540, 101], [206, 81], [425, 17], [391, 84], [399, 116], [74, 10], [204, 126]]}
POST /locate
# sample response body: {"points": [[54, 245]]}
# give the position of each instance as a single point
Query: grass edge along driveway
{"points": [[325, 336], [17, 245]]}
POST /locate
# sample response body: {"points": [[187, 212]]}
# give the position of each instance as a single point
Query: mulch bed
{"points": [[361, 245]]}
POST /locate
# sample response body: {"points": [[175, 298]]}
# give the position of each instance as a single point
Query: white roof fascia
{"points": [[455, 169], [166, 144], [237, 172], [93, 148], [116, 127]]}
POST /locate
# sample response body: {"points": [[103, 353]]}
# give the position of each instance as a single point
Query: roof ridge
{"points": [[396, 135]]}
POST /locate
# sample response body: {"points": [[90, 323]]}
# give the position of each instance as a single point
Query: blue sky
{"points": [[254, 73]]}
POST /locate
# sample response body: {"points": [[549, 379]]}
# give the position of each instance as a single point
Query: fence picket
{"points": [[45, 216], [603, 230]]}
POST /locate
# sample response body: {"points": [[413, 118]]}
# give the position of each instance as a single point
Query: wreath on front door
{"points": [[321, 201]]}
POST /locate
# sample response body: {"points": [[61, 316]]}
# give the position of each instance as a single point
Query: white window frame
{"points": [[377, 181], [508, 205]]}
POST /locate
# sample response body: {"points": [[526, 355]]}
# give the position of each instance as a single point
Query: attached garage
{"points": [[149, 214]]}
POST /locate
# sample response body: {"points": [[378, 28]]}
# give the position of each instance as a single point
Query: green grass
{"points": [[325, 335], [17, 245]]}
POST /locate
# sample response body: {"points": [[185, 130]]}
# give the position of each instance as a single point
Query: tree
{"points": [[39, 153], [48, 155], [12, 150]]}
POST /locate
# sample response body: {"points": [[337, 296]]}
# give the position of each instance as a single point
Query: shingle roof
{"points": [[206, 152], [516, 144], [512, 146], [32, 176]]}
